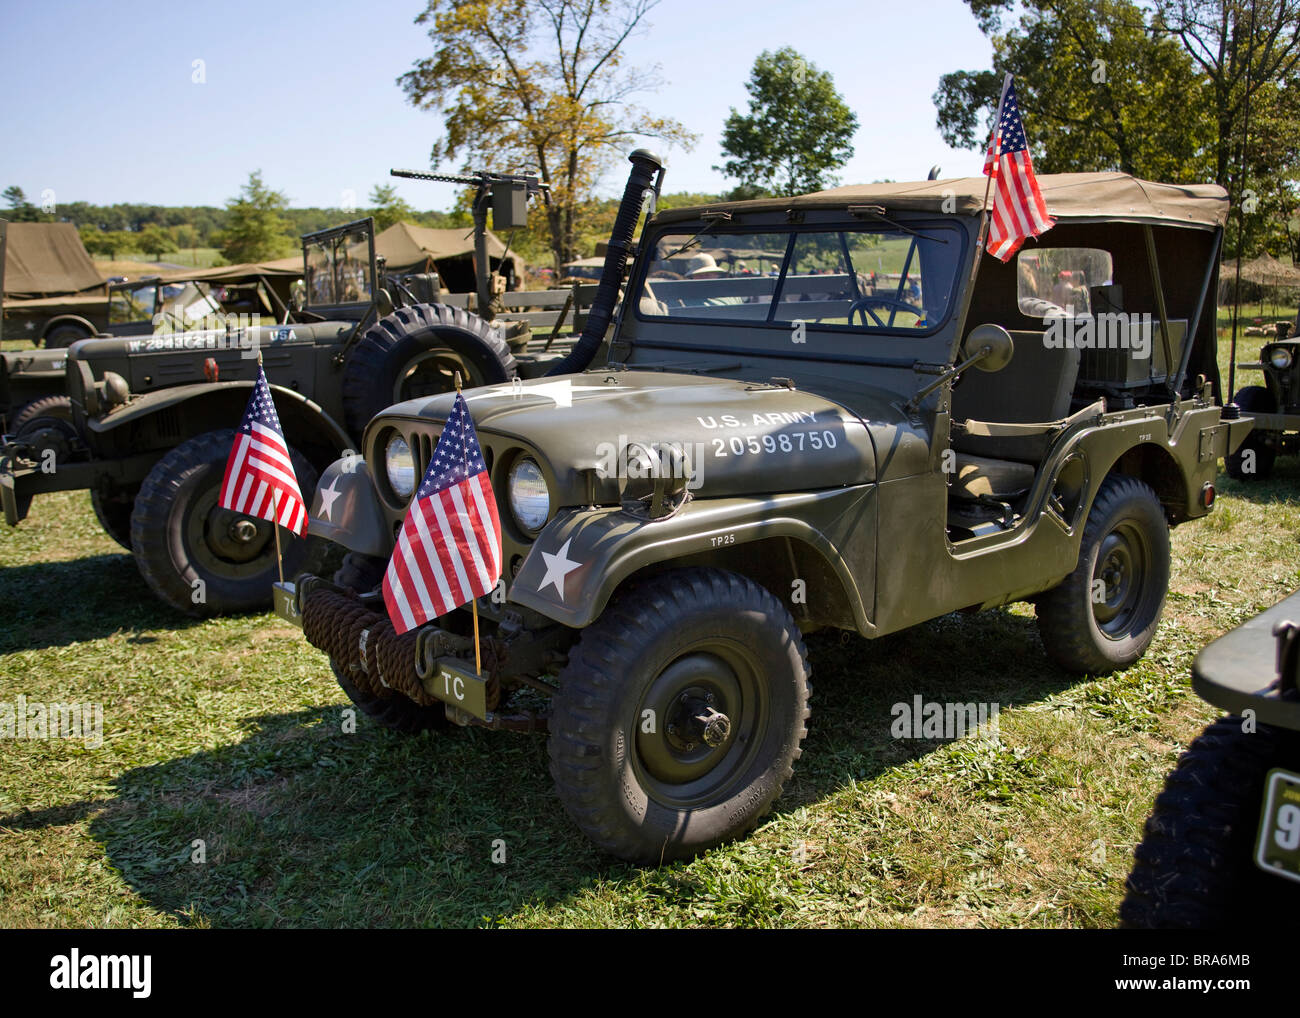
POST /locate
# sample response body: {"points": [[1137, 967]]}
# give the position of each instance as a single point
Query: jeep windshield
{"points": [[339, 266], [860, 279]]}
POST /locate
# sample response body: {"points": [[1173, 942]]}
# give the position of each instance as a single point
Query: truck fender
{"points": [[226, 401], [583, 555], [345, 509]]}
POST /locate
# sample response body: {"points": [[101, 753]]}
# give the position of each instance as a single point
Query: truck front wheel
{"points": [[679, 715], [198, 557], [1103, 616]]}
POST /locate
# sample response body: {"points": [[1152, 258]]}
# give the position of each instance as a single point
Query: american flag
{"points": [[1018, 207], [449, 549], [259, 474]]}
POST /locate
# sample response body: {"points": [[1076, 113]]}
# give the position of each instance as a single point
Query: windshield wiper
{"points": [[717, 217]]}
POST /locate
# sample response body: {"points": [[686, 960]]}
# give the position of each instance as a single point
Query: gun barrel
{"points": [[482, 178]]}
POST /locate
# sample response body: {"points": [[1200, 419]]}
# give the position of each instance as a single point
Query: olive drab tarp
{"points": [[410, 248], [1113, 197], [45, 259]]}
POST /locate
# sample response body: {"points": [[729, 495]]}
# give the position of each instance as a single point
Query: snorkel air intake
{"points": [[645, 166]]}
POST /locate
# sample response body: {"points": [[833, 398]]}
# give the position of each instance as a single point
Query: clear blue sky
{"points": [[98, 102]]}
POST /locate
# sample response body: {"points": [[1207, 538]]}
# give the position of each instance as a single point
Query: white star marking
{"points": [[559, 393], [558, 566], [328, 497]]}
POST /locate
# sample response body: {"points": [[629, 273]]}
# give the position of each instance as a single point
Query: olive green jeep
{"points": [[824, 424]]}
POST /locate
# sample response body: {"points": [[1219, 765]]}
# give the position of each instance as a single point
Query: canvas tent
{"points": [[45, 259], [409, 248]]}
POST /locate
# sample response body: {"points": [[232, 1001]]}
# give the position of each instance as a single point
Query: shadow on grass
{"points": [[53, 604], [303, 824]]}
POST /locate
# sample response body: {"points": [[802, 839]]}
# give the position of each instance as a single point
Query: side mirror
{"points": [[993, 346]]}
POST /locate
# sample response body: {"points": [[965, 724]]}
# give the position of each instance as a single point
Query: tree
{"points": [[256, 228], [156, 241], [1099, 89], [538, 84], [388, 206], [20, 209], [797, 131]]}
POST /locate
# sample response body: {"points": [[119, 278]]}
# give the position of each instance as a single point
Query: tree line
{"points": [[1174, 90]]}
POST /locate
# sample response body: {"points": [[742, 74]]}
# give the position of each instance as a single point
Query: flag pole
{"points": [[275, 505], [473, 601], [995, 143]]}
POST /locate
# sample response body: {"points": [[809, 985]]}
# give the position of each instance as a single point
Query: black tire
{"points": [[180, 535], [363, 573], [1261, 445], [1126, 547], [414, 352], [651, 796], [1194, 868], [113, 508], [46, 412], [65, 335]]}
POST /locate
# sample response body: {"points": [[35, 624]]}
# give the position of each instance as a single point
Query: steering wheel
{"points": [[863, 306]]}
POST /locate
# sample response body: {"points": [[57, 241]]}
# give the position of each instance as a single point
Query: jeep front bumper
{"points": [[1240, 670], [360, 640]]}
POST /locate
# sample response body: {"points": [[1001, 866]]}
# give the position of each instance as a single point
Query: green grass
{"points": [[229, 731]]}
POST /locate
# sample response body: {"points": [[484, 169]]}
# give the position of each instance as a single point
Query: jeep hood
{"points": [[741, 438]]}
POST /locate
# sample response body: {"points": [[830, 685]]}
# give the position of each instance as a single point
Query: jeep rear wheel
{"points": [[362, 574], [416, 351], [198, 557], [679, 715], [1254, 458], [1194, 867], [1103, 616]]}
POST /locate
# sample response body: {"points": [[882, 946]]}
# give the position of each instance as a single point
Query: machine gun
{"points": [[506, 194]]}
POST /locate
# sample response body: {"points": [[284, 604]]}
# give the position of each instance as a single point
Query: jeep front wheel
{"points": [[198, 557], [679, 715], [1103, 616]]}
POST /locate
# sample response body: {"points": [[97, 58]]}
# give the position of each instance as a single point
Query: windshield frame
{"points": [[839, 222]]}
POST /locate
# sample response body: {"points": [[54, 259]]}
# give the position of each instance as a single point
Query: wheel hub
{"points": [[1122, 565], [686, 735]]}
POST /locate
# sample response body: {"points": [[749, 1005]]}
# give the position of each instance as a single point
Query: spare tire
{"points": [[415, 351]]}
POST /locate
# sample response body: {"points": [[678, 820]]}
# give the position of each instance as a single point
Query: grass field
{"points": [[230, 733]]}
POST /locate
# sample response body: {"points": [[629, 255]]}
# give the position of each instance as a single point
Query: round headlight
{"points": [[1280, 357], [530, 499], [400, 465]]}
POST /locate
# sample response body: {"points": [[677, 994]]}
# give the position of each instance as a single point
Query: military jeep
{"points": [[1274, 406], [1222, 844], [860, 439], [146, 423]]}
